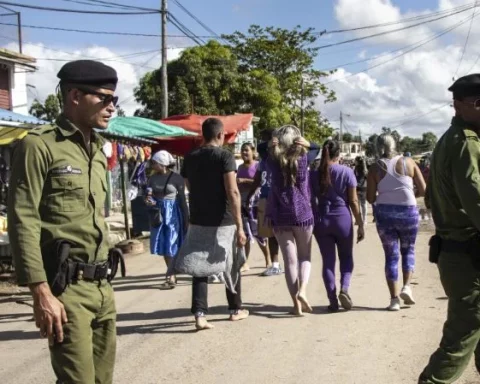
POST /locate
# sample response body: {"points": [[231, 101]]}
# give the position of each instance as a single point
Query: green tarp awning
{"points": [[140, 127]]}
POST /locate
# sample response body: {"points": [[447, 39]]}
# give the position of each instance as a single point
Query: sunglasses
{"points": [[106, 99], [476, 103]]}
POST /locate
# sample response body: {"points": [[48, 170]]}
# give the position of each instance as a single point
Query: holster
{"points": [[470, 247], [115, 259], [61, 278], [435, 245]]}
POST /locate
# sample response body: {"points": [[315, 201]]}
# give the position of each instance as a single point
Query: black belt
{"points": [[89, 272], [452, 246]]}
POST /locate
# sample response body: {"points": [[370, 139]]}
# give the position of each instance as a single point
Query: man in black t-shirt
{"points": [[215, 218]]}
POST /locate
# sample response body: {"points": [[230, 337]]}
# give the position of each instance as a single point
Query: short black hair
{"points": [[211, 128], [266, 134], [248, 144]]}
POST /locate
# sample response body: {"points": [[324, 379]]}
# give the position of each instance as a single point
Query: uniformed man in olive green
{"points": [[57, 192], [453, 194]]}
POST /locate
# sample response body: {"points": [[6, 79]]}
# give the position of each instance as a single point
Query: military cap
{"points": [[466, 86], [88, 72]]}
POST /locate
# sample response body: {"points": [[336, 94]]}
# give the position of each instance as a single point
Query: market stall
{"points": [[131, 139], [180, 146], [13, 127]]}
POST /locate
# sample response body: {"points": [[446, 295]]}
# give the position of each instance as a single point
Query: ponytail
{"points": [[324, 173], [330, 151]]}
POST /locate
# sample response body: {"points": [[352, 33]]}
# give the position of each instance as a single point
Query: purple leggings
{"points": [[296, 246], [397, 224], [335, 231]]}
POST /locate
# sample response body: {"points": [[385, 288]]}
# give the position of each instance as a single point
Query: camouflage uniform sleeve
{"points": [[29, 170], [466, 178]]}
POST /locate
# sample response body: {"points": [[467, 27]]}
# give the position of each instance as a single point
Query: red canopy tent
{"points": [[193, 123]]}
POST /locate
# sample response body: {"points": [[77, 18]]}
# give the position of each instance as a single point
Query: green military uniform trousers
{"points": [[87, 355], [461, 332]]}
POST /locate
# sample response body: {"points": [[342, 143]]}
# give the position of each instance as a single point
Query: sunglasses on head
{"points": [[105, 98]]}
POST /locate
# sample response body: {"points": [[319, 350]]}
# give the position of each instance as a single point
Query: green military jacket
{"points": [[453, 188], [57, 191]]}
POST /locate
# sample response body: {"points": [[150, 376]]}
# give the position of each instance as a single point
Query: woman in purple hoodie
{"points": [[289, 210]]}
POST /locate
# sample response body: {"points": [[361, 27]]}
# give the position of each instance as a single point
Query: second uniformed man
{"points": [[57, 227], [453, 194]]}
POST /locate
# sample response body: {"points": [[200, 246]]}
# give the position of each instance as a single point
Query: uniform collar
{"points": [[461, 124], [68, 129]]}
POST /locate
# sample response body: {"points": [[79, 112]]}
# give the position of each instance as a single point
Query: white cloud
{"points": [[408, 92], [129, 70], [399, 91]]}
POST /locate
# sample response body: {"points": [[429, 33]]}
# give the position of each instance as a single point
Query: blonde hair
{"points": [[385, 145], [287, 152]]}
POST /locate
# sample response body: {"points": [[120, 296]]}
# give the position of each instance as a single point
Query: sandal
{"points": [[168, 285]]}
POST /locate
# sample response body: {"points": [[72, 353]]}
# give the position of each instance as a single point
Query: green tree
{"points": [[396, 136], [370, 150], [48, 111], [121, 112], [206, 80], [428, 142], [287, 55], [347, 137]]}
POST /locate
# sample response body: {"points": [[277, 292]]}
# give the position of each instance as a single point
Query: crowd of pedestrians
{"points": [[298, 191], [287, 192]]}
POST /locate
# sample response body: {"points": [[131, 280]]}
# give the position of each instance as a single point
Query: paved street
{"points": [[157, 342]]}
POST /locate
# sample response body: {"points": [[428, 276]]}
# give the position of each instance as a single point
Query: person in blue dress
{"points": [[168, 212]]}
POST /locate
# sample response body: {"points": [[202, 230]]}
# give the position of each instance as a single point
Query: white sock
{"points": [[276, 264]]}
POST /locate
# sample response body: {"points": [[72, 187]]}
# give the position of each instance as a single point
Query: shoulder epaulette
{"points": [[41, 130], [470, 134]]}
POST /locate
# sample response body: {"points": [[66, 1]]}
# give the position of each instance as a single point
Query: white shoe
{"points": [[407, 296], [214, 279], [394, 304]]}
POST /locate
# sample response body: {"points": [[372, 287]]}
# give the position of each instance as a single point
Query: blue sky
{"points": [[222, 16], [404, 88]]}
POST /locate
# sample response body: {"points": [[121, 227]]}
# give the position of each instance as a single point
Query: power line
{"points": [[100, 32], [405, 20], [206, 27], [127, 100], [39, 8], [444, 32], [474, 64], [91, 4], [465, 45], [70, 53], [106, 58], [182, 28], [391, 31], [420, 116], [118, 5]]}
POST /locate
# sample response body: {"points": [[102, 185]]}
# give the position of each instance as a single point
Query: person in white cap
{"points": [[168, 212]]}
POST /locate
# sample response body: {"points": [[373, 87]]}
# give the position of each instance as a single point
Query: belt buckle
{"points": [[79, 271]]}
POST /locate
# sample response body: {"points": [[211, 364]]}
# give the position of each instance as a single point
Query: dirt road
{"points": [[157, 342]]}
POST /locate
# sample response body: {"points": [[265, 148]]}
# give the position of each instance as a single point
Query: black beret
{"points": [[89, 72], [466, 86]]}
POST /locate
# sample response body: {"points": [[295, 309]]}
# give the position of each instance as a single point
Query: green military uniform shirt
{"points": [[57, 191], [453, 189]]}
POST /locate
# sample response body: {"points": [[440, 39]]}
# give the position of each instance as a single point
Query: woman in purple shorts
{"points": [[334, 197], [393, 178]]}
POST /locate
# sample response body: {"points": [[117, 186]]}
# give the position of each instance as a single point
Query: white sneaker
{"points": [[214, 279], [394, 304], [407, 296]]}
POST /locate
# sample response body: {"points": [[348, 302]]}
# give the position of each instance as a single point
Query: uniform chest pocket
{"points": [[68, 194]]}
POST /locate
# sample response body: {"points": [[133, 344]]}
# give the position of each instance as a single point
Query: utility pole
{"points": [[19, 25], [340, 134], [163, 75], [302, 112]]}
